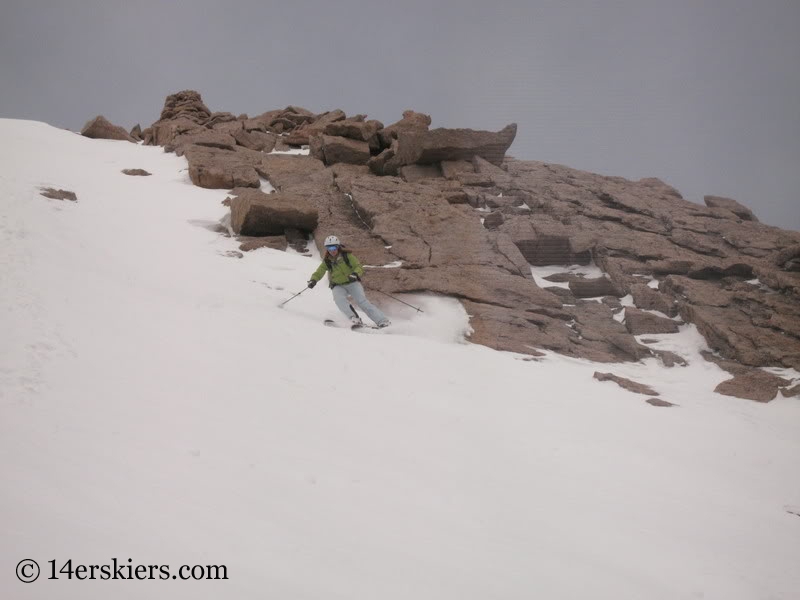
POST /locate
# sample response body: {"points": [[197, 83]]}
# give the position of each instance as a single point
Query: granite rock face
{"points": [[450, 213]]}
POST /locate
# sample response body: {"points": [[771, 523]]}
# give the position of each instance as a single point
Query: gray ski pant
{"points": [[356, 291]]}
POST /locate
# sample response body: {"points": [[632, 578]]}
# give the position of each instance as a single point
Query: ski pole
{"points": [[293, 297], [402, 302], [358, 316]]}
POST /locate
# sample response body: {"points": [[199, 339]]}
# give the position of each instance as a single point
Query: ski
{"points": [[363, 327]]}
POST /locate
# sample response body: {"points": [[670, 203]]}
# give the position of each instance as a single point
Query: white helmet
{"points": [[332, 240]]}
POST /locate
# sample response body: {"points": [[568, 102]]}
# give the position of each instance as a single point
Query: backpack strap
{"points": [[345, 257]]}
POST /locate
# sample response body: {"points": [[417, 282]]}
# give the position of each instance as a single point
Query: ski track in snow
{"points": [[155, 404]]}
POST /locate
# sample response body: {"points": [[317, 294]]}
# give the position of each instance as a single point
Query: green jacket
{"points": [[338, 269]]}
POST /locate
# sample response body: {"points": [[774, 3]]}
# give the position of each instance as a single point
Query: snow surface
{"points": [[590, 271], [304, 151], [157, 405]]}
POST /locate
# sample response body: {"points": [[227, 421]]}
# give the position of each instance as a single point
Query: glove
{"points": [[311, 283], [353, 277]]}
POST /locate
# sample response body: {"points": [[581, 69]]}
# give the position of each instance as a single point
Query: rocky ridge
{"points": [[453, 214]]}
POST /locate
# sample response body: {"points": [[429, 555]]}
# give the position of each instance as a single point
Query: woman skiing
{"points": [[344, 276]]}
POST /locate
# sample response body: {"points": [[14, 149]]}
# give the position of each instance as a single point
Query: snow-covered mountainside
{"points": [[157, 405]]}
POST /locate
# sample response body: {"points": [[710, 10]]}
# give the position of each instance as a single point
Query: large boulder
{"points": [[452, 168], [697, 292], [185, 105], [462, 144], [699, 243], [229, 127], [411, 121], [338, 149], [595, 287], [412, 173], [647, 298], [254, 213], [740, 210], [788, 259], [354, 128], [734, 335], [285, 172], [753, 385], [101, 128], [494, 220], [386, 163], [436, 145], [289, 121], [584, 332], [220, 118], [640, 322], [162, 133], [314, 126], [220, 169], [200, 137], [495, 174], [255, 139], [262, 122]]}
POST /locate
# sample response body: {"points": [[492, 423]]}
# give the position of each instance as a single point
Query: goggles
{"points": [[331, 248]]}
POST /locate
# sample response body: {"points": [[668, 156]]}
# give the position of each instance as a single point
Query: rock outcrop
{"points": [[437, 145], [452, 214], [101, 128]]}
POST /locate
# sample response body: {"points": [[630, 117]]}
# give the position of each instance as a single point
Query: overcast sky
{"points": [[702, 94]]}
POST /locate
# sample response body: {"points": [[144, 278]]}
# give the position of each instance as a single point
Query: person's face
{"points": [[332, 250]]}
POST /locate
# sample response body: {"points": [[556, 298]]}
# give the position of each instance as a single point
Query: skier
{"points": [[344, 276]]}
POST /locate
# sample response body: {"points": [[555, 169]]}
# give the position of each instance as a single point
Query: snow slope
{"points": [[156, 405]]}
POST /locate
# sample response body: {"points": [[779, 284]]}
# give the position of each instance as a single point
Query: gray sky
{"points": [[702, 94]]}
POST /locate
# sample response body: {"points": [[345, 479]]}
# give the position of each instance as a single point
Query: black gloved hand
{"points": [[353, 277], [311, 283]]}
